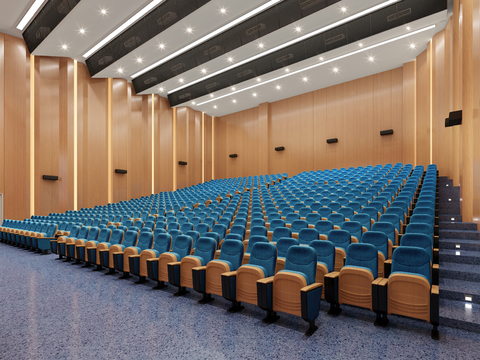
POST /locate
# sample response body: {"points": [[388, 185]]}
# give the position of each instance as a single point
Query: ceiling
{"points": [[67, 40]]}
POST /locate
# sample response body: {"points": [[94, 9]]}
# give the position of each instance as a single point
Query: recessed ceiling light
{"points": [[140, 14], [230, 59], [343, 9], [161, 46], [29, 15], [189, 30], [371, 59], [298, 29], [259, 79], [223, 10], [64, 47], [214, 106], [287, 70], [360, 44], [278, 87], [204, 71], [413, 46], [161, 89], [408, 28], [212, 95], [234, 101], [279, 47], [120, 70], [81, 31], [335, 70], [305, 79], [321, 58], [181, 80], [139, 60], [233, 88], [261, 45], [329, 61], [254, 94], [193, 102]]}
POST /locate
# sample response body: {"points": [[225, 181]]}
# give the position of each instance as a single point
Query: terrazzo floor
{"points": [[53, 310]]}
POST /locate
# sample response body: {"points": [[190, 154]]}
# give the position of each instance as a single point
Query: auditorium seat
{"points": [[325, 260], [121, 258], [106, 255]]}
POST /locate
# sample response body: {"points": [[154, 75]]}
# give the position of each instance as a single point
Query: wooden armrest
{"points": [[266, 280], [200, 268], [134, 256], [333, 275], [311, 287], [176, 263], [435, 289], [230, 273]]}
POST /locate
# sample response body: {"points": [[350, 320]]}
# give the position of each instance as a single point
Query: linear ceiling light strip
{"points": [[292, 42], [208, 37], [29, 15], [123, 27], [322, 63]]}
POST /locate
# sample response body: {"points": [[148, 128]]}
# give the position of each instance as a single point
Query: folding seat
{"points": [[248, 245], [347, 212], [355, 206], [312, 219], [186, 227], [325, 260], [123, 228], [372, 212], [94, 247], [323, 228], [378, 206], [304, 212], [336, 219], [425, 242], [42, 240], [111, 227], [273, 216], [422, 228], [219, 229], [306, 236], [341, 239], [30, 238], [411, 269], [324, 212], [309, 202], [274, 224], [395, 210], [208, 280], [280, 232], [384, 248], [290, 218], [203, 229], [394, 220], [316, 206], [106, 255], [210, 221], [182, 220], [225, 222], [293, 290], [355, 229], [89, 222], [286, 212], [195, 235], [424, 211], [335, 206], [127, 223], [236, 232], [363, 201], [83, 250], [298, 225], [62, 242], [388, 229], [363, 219], [354, 281], [283, 244]]}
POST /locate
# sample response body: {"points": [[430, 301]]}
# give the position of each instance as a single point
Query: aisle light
{"points": [[28, 16], [292, 42], [326, 62], [208, 37]]}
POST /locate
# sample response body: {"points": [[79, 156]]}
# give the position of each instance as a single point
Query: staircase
{"points": [[459, 262]]}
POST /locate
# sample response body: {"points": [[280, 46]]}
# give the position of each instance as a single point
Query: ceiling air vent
{"points": [[335, 39], [211, 86], [63, 8], [399, 14], [132, 42], [105, 60], [256, 29], [284, 58], [42, 32], [167, 19], [178, 67], [245, 73], [152, 80], [183, 96], [309, 3], [212, 50]]}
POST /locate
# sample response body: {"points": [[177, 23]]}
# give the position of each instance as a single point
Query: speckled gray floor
{"points": [[52, 310]]}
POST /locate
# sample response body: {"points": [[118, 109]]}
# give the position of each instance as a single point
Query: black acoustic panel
{"points": [[334, 38], [50, 177], [159, 19], [253, 29], [410, 10], [52, 13]]}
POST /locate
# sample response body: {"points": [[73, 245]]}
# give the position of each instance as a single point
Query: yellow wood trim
{"points": [[32, 135], [75, 135], [203, 147], [213, 147], [109, 139], [153, 143], [174, 145]]}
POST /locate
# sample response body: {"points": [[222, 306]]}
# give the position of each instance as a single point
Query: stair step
{"points": [[459, 234], [454, 209], [464, 272], [451, 244], [454, 225], [449, 217], [464, 257], [457, 289], [456, 315]]}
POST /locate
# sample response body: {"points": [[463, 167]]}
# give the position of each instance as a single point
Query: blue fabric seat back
{"points": [[325, 253], [346, 211], [422, 218], [364, 256], [371, 211], [239, 230], [283, 244], [363, 219], [74, 231], [256, 215], [220, 230], [418, 240], [202, 229], [303, 212], [276, 224], [205, 249], [225, 222], [424, 210], [387, 228], [306, 236], [290, 218], [273, 216], [174, 234], [117, 237], [186, 227], [392, 219], [83, 233], [257, 222], [111, 227], [354, 228], [138, 224], [258, 230], [173, 226], [336, 219], [149, 224], [281, 232], [313, 218], [145, 240], [411, 260], [161, 225], [232, 252], [324, 227], [303, 260], [210, 221], [340, 238], [298, 225], [377, 239], [130, 238], [158, 231], [182, 246], [253, 240], [214, 236], [104, 235], [241, 222], [264, 255], [195, 235], [162, 243], [335, 206], [420, 228]]}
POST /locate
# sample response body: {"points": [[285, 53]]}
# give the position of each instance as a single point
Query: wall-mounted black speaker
{"points": [[120, 171], [280, 148], [386, 132], [50, 177], [454, 119], [233, 155], [331, 141], [182, 163]]}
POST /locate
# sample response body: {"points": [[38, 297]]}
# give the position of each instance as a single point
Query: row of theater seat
{"points": [[121, 261]]}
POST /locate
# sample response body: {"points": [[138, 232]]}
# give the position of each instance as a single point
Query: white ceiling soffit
{"points": [[329, 15], [385, 57], [12, 11]]}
